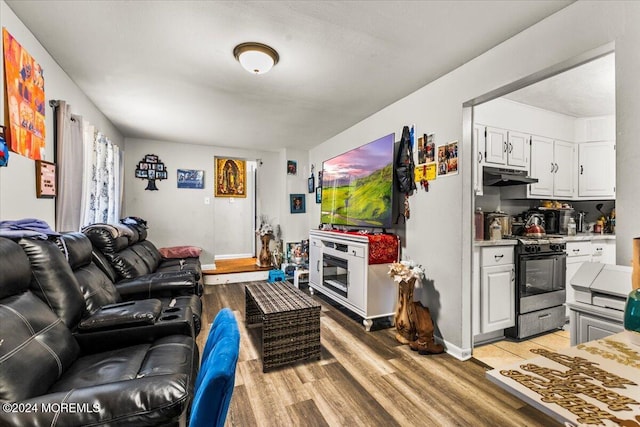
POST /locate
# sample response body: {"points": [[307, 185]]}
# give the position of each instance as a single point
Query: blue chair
{"points": [[216, 379]]}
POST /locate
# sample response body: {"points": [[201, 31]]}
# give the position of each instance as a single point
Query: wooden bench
{"points": [[290, 322]]}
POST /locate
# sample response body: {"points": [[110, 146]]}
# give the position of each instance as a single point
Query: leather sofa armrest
{"points": [[122, 315], [171, 321], [159, 282], [153, 400]]}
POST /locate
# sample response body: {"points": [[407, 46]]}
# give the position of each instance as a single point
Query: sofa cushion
{"points": [[169, 355], [77, 248], [180, 252], [37, 348], [53, 280], [97, 289], [15, 274]]}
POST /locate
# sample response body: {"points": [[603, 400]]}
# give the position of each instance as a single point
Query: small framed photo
{"points": [[297, 204], [311, 184], [292, 167], [190, 178], [45, 179], [318, 194]]}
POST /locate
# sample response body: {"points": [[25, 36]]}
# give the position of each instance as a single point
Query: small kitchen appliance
{"points": [[580, 221]]}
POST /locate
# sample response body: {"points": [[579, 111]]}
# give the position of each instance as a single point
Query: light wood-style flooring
{"points": [[362, 379], [506, 352]]}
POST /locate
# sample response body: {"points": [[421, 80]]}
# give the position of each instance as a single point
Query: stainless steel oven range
{"points": [[540, 286]]}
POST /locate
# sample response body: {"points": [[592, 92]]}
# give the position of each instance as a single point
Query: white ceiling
{"points": [[165, 70], [585, 91]]}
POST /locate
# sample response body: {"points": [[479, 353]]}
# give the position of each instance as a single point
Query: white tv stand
{"points": [[339, 268]]}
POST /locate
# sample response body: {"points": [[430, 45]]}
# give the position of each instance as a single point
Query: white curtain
{"points": [[102, 180], [69, 154]]}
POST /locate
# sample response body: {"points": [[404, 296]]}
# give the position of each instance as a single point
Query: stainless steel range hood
{"points": [[500, 177]]}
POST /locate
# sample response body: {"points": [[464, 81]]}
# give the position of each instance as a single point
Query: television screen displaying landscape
{"points": [[357, 186]]}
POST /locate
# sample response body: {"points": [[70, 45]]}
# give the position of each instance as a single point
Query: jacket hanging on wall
{"points": [[4, 152], [405, 171]]}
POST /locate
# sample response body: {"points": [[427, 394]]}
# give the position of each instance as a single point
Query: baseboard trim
{"points": [[455, 351]]}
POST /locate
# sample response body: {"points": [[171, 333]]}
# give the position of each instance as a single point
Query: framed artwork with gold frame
{"points": [[231, 177]]}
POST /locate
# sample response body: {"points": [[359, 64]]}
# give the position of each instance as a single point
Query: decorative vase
{"points": [[403, 319], [264, 259], [632, 311]]}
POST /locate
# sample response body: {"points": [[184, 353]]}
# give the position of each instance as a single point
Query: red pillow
{"points": [[181, 252]]}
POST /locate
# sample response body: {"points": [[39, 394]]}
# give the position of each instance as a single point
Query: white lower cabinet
{"points": [[589, 326], [497, 289], [603, 251], [573, 264], [497, 296]]}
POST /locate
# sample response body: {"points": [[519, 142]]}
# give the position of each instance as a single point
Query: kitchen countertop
{"points": [[503, 242], [605, 390], [580, 237], [589, 236]]}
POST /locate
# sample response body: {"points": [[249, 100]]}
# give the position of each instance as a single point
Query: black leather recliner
{"points": [[123, 253], [55, 380], [99, 291]]}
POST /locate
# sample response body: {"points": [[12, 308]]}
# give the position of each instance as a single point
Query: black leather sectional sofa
{"points": [[138, 271], [52, 372]]}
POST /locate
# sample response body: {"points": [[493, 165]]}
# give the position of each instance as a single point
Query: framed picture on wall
{"points": [[296, 202], [231, 177], [311, 184], [318, 194], [190, 178], [45, 179]]}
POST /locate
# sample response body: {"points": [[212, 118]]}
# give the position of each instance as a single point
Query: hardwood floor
{"points": [[362, 379]]}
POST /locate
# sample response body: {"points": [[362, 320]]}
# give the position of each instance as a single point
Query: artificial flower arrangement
{"points": [[405, 271], [265, 228]]}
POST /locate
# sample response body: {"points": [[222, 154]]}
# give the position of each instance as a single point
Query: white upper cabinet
{"points": [[552, 163], [506, 148], [496, 146], [563, 156], [518, 149], [597, 169], [542, 166]]}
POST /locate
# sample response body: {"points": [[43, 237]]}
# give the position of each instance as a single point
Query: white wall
{"points": [[506, 114], [180, 216], [17, 180], [438, 235]]}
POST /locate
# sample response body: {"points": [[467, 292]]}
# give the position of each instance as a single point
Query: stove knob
{"points": [[537, 248], [527, 248]]}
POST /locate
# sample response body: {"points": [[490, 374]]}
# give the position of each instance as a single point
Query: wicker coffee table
{"points": [[290, 322]]}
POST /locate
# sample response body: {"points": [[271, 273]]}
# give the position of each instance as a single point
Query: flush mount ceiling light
{"points": [[256, 58]]}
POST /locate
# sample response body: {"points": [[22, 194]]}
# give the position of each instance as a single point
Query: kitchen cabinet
{"points": [[589, 327], [577, 254], [552, 162], [603, 251], [506, 148], [497, 289], [597, 170]]}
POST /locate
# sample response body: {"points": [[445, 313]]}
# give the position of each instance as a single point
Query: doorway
{"points": [[531, 92], [234, 219]]}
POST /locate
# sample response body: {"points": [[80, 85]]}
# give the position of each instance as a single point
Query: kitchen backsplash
{"points": [[491, 201]]}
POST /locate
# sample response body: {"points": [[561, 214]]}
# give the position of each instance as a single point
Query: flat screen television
{"points": [[357, 186]]}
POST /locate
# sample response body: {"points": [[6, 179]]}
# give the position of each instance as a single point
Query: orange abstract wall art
{"points": [[24, 99]]}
